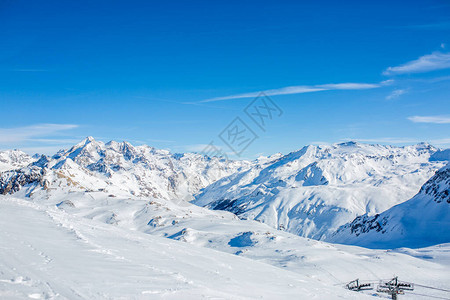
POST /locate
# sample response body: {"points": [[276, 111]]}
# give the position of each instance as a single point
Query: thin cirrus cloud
{"points": [[395, 94], [299, 89], [430, 26], [196, 147], [28, 133], [385, 140], [430, 119], [442, 142], [426, 63]]}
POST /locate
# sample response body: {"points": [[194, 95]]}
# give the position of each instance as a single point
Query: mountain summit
{"points": [[313, 191], [122, 169], [310, 192]]}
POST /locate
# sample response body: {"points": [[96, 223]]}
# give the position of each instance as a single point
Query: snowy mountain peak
{"points": [[313, 191], [84, 142], [310, 192], [349, 144], [14, 159], [88, 139], [122, 169]]}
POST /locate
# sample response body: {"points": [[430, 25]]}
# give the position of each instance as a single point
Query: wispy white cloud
{"points": [[207, 149], [319, 143], [300, 89], [430, 119], [157, 141], [349, 86], [47, 150], [55, 141], [385, 140], [430, 26], [429, 80], [426, 63], [197, 147], [395, 94], [441, 142], [28, 133]]}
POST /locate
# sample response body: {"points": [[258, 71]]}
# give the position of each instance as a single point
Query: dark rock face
{"points": [[435, 192], [12, 181], [228, 205], [364, 224], [433, 187]]}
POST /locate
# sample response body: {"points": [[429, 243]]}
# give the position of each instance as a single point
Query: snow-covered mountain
{"points": [[120, 169], [112, 203], [310, 192], [422, 221], [313, 191], [14, 159]]}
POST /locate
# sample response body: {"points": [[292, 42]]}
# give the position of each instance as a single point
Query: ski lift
{"points": [[394, 287], [355, 285]]}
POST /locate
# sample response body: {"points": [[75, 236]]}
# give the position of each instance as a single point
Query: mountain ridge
{"points": [[309, 192], [313, 191], [419, 222], [106, 186]]}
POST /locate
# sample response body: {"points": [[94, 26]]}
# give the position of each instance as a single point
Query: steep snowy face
{"points": [[315, 190], [121, 169], [14, 159], [422, 221]]}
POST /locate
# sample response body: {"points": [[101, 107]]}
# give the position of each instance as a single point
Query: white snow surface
{"points": [[49, 254], [422, 221], [313, 191], [107, 248]]}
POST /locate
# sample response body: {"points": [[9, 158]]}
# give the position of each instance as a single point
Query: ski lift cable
{"points": [[434, 288], [427, 295]]}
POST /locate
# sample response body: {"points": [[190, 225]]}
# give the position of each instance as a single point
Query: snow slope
{"points": [[315, 190], [49, 254], [422, 221], [81, 248]]}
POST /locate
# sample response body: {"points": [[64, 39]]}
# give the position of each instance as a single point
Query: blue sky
{"points": [[175, 74]]}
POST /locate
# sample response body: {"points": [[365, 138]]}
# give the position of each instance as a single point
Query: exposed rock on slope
{"points": [[422, 221], [122, 169], [315, 190]]}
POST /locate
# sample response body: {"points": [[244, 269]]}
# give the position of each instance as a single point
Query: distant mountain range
{"points": [[313, 192], [14, 159], [117, 168]]}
